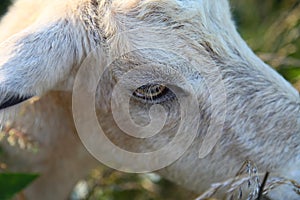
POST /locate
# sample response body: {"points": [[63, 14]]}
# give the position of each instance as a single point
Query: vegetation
{"points": [[10, 184], [270, 27], [3, 6], [272, 30]]}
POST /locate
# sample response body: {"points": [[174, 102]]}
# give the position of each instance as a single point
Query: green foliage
{"points": [[11, 184], [108, 184], [272, 30], [291, 73], [3, 6]]}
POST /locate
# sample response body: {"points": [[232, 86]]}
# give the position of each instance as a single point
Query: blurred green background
{"points": [[272, 30]]}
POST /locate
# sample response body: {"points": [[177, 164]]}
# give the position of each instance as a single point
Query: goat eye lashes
{"points": [[152, 92]]}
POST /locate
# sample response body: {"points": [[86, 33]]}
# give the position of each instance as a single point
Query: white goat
{"points": [[44, 43]]}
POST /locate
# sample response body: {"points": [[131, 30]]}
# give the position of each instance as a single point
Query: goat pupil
{"points": [[150, 91]]}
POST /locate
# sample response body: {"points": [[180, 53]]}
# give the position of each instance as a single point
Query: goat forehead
{"points": [[192, 5], [200, 13]]}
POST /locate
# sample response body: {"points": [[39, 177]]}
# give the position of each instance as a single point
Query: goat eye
{"points": [[151, 92]]}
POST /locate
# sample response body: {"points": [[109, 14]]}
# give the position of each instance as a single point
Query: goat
{"points": [[241, 108]]}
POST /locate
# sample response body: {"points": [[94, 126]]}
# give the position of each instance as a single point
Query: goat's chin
{"points": [[283, 192], [290, 172]]}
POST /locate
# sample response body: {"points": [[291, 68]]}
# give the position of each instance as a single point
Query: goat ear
{"points": [[34, 60]]}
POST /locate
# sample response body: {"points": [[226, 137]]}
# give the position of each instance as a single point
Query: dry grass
{"points": [[248, 184]]}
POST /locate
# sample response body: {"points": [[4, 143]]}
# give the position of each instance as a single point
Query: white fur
{"points": [[42, 53]]}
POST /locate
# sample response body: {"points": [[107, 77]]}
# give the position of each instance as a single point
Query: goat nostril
{"points": [[13, 100]]}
